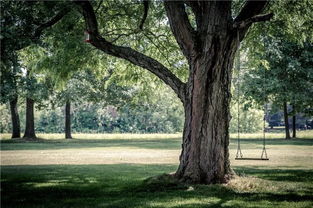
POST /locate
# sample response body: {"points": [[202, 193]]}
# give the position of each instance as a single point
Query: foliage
{"points": [[250, 120], [284, 75], [119, 22], [10, 81], [117, 109], [50, 121], [5, 119], [34, 85], [163, 115], [22, 23], [64, 53], [292, 22]]}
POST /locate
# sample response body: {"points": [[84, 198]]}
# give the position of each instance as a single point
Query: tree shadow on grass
{"points": [[123, 185], [278, 174]]}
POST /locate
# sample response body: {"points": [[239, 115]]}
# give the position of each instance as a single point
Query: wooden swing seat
{"points": [[250, 158]]}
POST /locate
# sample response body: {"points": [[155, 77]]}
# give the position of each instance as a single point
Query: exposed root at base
{"points": [[172, 182]]}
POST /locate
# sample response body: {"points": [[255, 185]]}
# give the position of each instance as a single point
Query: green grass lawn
{"points": [[109, 171]]}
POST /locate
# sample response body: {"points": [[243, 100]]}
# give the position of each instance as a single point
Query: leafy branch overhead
{"points": [[186, 36], [127, 53]]}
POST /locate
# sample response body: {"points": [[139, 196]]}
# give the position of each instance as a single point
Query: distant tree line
{"points": [[89, 117]]}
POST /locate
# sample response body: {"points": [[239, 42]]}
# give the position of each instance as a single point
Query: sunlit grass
{"points": [[103, 136], [307, 134], [145, 149]]}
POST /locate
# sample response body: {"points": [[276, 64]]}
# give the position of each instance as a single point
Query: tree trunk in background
{"points": [[68, 134], [16, 130], [286, 120], [30, 123], [294, 134]]}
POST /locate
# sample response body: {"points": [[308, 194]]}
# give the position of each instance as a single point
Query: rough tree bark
{"points": [[68, 134], [16, 130], [210, 49], [286, 120], [30, 126]]}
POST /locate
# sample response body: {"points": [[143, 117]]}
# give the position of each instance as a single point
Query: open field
{"points": [[108, 170]]}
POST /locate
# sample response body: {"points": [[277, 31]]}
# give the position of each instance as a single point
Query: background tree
{"points": [[37, 87], [290, 26], [22, 23], [10, 82], [285, 77], [60, 55], [82, 87]]}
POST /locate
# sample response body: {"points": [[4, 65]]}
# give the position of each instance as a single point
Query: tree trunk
{"points": [[286, 120], [68, 134], [16, 130], [205, 155], [30, 126]]}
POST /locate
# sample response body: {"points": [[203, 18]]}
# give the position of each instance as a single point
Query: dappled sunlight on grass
{"points": [[122, 186], [98, 171]]}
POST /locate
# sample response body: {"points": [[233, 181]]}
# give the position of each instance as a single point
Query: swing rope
{"points": [[239, 155], [264, 154]]}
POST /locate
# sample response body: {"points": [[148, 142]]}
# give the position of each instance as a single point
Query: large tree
{"points": [[209, 45]]}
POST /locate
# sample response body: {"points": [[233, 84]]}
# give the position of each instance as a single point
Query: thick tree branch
{"points": [[250, 9], [250, 13], [145, 14], [129, 54], [181, 27], [32, 37], [249, 21], [51, 22]]}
